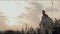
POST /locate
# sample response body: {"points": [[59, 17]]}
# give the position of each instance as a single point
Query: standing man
{"points": [[46, 23]]}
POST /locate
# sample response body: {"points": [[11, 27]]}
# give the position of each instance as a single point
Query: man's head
{"points": [[43, 11], [44, 14]]}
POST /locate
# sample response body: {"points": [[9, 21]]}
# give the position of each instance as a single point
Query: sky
{"points": [[16, 14]]}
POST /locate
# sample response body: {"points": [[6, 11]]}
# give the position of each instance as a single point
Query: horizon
{"points": [[19, 13]]}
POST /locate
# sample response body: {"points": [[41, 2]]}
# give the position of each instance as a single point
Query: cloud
{"points": [[33, 11]]}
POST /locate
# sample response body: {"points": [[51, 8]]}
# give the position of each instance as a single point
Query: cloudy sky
{"points": [[18, 13]]}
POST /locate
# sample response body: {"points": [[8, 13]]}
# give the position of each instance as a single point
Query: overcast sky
{"points": [[19, 13]]}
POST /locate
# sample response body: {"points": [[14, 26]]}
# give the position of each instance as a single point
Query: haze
{"points": [[18, 13]]}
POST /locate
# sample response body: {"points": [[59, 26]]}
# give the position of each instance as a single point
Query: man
{"points": [[46, 23]]}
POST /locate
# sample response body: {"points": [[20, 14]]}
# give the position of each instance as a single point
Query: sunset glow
{"points": [[12, 10], [20, 13]]}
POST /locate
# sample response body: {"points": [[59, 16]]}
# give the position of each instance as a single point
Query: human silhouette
{"points": [[46, 23]]}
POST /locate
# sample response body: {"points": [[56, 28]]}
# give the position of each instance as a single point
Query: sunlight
{"points": [[11, 22], [11, 10]]}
